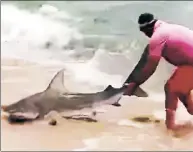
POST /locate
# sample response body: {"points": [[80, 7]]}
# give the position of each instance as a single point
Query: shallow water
{"points": [[137, 125], [98, 44]]}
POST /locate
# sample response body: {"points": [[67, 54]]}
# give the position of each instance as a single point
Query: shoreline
{"points": [[22, 78]]}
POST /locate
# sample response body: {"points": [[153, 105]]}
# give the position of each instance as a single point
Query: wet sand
{"points": [[119, 128]]}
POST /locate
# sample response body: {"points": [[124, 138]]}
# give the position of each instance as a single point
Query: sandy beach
{"points": [[117, 128], [98, 44]]}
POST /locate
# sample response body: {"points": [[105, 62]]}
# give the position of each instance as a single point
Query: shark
{"points": [[57, 98]]}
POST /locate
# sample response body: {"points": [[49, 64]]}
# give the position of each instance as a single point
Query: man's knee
{"points": [[170, 87], [171, 100], [180, 81], [190, 111]]}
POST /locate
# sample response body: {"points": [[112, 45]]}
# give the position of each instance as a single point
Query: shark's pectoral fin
{"points": [[57, 83], [81, 118], [116, 104]]}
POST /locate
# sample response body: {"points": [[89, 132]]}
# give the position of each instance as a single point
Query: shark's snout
{"points": [[4, 108], [10, 108]]}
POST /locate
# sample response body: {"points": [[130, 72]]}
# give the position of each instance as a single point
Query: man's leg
{"points": [[185, 89], [171, 103], [179, 86], [189, 102]]}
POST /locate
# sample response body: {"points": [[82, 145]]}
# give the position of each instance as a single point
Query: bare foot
{"points": [[183, 130]]}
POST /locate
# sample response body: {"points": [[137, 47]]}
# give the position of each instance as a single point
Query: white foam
{"points": [[89, 143], [91, 73], [94, 143], [134, 149], [125, 122], [25, 34], [81, 149], [54, 12], [48, 9]]}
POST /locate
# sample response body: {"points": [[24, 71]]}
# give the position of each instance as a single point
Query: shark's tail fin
{"points": [[139, 92]]}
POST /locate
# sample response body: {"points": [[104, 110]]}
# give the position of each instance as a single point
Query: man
{"points": [[175, 44]]}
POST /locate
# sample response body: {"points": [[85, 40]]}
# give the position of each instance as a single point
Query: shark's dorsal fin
{"points": [[57, 83]]}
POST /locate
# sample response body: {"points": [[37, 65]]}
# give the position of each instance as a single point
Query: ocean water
{"points": [[101, 32], [97, 41]]}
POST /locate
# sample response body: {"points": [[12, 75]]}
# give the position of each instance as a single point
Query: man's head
{"points": [[146, 23]]}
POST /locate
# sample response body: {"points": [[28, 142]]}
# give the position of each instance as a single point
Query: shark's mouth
{"points": [[21, 117]]}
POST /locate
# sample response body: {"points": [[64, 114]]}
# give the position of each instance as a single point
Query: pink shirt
{"points": [[173, 42]]}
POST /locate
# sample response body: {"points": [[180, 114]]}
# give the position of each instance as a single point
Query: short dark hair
{"points": [[145, 17]]}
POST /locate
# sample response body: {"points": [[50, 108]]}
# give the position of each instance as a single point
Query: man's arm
{"points": [[147, 68], [139, 66]]}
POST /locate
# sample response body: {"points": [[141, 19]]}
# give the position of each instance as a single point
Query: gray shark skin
{"points": [[57, 98]]}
